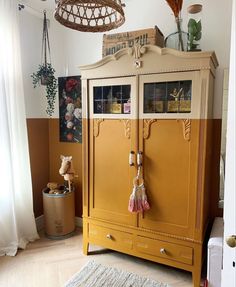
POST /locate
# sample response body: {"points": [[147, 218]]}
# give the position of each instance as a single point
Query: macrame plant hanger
{"points": [[45, 49]]}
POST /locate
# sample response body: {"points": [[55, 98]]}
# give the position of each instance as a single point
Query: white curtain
{"points": [[17, 223]]}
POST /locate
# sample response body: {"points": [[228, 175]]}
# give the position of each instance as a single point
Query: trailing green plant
{"points": [[45, 76], [194, 34]]}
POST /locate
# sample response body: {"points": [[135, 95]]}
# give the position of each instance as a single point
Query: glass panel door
{"points": [[113, 98], [167, 97]]}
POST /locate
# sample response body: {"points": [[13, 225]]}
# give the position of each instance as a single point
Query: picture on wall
{"points": [[70, 109]]}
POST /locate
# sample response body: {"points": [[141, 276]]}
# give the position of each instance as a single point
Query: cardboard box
{"points": [[114, 42], [59, 214]]}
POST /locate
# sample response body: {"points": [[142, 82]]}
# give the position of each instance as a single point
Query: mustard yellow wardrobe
{"points": [[157, 102]]}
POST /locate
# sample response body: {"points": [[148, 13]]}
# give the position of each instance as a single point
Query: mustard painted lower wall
{"points": [[45, 150], [38, 135], [56, 148]]}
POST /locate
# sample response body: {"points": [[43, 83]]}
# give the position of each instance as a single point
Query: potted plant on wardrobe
{"points": [[45, 75]]}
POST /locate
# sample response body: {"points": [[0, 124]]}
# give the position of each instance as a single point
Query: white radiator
{"points": [[215, 253]]}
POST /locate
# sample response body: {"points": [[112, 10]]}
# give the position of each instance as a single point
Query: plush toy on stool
{"points": [[67, 169], [54, 188]]}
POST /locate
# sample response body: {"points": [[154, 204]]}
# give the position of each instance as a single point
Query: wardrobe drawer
{"points": [[165, 250], [110, 238]]}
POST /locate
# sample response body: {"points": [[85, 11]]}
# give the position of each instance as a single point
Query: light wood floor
{"points": [[50, 263]]}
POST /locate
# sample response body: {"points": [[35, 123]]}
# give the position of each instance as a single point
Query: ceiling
{"points": [[36, 7], [39, 5]]}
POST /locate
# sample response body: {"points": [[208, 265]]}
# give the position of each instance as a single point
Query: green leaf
{"points": [[198, 36], [193, 46], [192, 26], [190, 37], [199, 26], [191, 22], [192, 29]]}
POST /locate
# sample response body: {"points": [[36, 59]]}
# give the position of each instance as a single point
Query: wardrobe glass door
{"points": [[112, 131], [168, 139]]}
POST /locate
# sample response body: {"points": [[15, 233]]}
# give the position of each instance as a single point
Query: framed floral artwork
{"points": [[70, 109]]}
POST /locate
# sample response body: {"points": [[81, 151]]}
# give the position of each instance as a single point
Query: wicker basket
{"points": [[90, 16]]}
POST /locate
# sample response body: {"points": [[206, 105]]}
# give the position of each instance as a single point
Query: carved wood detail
{"points": [[127, 125], [96, 126], [137, 50], [186, 129], [146, 127]]}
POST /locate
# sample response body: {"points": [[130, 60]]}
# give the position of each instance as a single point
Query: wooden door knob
{"points": [[140, 158], [131, 158]]}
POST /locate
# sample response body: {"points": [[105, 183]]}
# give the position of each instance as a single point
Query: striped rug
{"points": [[96, 275]]}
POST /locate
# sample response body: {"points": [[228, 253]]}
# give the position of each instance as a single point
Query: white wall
{"points": [[31, 30], [70, 48], [229, 258]]}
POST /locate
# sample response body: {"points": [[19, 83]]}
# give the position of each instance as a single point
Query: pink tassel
{"points": [[138, 200], [132, 204], [145, 203]]}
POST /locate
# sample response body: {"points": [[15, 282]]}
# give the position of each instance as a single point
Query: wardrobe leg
{"points": [[85, 238], [197, 271], [85, 247], [196, 275]]}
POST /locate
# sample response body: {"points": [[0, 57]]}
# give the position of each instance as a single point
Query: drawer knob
{"points": [[109, 236], [162, 251]]}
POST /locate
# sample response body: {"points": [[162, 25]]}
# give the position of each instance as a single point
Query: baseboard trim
{"points": [[40, 222], [78, 221]]}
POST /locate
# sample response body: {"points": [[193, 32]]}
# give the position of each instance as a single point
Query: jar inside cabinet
{"points": [[154, 97], [168, 97], [194, 27], [112, 99]]}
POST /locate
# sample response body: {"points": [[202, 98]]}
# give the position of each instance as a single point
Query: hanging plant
{"points": [[45, 76], [45, 73]]}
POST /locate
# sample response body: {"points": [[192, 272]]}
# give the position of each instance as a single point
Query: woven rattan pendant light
{"points": [[90, 15]]}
